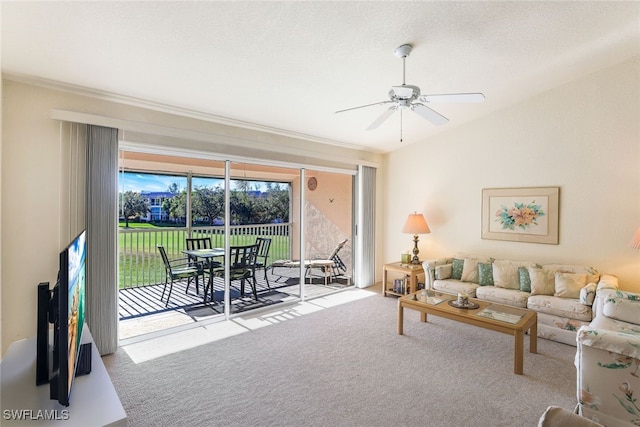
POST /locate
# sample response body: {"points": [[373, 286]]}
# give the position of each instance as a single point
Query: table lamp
{"points": [[415, 224]]}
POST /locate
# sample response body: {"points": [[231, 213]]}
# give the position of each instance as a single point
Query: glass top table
{"points": [[488, 315]]}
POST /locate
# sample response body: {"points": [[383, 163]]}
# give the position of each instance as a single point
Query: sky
{"points": [[131, 181]]}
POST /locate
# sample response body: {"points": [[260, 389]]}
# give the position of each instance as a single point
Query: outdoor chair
{"points": [[242, 267], [339, 265], [200, 243], [181, 268], [332, 262], [264, 244]]}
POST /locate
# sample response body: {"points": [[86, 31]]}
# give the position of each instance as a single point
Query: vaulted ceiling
{"points": [[286, 67]]}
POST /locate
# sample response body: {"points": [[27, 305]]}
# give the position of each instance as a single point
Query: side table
{"points": [[410, 274]]}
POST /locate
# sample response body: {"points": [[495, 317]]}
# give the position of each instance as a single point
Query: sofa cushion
{"points": [[443, 271], [504, 296], [562, 307], [456, 272], [561, 323], [485, 274], [505, 274], [470, 270], [556, 416], [524, 279], [607, 281], [623, 309], [452, 286], [542, 281], [558, 329], [568, 285], [592, 274]]}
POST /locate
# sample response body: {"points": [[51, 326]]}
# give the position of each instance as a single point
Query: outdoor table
{"points": [[206, 254]]}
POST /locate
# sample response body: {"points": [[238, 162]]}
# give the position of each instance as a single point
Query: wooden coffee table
{"points": [[496, 317]]}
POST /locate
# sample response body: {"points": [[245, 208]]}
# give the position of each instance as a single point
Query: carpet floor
{"points": [[345, 365]]}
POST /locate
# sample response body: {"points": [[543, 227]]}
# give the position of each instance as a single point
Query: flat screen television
{"points": [[64, 307]]}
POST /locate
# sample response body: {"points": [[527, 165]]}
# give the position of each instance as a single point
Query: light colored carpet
{"points": [[346, 366]]}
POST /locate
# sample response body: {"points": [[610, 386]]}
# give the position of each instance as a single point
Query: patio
{"points": [[141, 311]]}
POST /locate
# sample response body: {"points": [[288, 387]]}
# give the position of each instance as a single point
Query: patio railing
{"points": [[140, 262]]}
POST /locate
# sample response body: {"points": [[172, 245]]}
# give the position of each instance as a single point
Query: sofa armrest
{"points": [[607, 284], [588, 294], [429, 267], [624, 341]]}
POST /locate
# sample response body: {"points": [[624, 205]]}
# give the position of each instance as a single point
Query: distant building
{"points": [[156, 199]]}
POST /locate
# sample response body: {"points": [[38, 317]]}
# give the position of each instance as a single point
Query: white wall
{"points": [[583, 137], [35, 195]]}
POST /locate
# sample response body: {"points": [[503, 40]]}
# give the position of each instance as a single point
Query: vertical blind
{"points": [[365, 227], [102, 234]]}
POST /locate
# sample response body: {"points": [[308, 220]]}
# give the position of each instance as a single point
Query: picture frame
{"points": [[527, 214]]}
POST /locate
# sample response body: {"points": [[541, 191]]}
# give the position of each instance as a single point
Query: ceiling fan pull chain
{"points": [[401, 125]]}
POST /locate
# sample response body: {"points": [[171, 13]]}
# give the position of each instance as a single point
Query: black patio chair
{"points": [[264, 243], [200, 243], [181, 268], [242, 266]]}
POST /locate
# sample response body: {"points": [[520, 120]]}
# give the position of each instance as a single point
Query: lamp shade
{"points": [[635, 242], [416, 224]]}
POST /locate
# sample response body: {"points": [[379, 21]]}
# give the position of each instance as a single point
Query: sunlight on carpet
{"points": [[175, 342]]}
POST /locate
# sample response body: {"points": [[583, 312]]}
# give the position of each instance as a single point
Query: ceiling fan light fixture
{"points": [[408, 97]]}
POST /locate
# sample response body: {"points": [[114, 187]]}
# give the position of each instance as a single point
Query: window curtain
{"points": [[365, 228], [102, 236]]}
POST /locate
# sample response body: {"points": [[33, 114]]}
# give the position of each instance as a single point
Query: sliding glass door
{"points": [[300, 222], [328, 239]]}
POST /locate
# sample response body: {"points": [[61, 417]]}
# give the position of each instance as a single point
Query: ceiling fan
{"points": [[409, 97]]}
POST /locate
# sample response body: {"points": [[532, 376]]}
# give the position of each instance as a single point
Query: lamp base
{"points": [[415, 260]]}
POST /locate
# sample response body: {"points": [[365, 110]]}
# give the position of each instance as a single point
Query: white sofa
{"points": [[608, 360], [561, 294]]}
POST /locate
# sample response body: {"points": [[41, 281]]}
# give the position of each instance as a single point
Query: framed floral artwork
{"points": [[521, 214]]}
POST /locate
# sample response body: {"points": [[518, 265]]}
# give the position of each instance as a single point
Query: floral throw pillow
{"points": [[456, 270], [485, 274], [525, 280], [622, 309]]}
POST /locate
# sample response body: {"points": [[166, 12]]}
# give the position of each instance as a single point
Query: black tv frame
{"points": [[52, 364]]}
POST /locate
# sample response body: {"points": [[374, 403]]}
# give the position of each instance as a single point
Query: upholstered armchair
{"points": [[608, 360]]}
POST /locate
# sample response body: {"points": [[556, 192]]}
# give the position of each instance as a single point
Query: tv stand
{"points": [[83, 366], [93, 402]]}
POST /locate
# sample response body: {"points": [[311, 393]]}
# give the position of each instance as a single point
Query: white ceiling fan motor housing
{"points": [[403, 51]]}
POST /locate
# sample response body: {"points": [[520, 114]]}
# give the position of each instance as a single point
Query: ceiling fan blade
{"points": [[363, 106], [402, 92], [453, 97], [429, 114], [384, 116]]}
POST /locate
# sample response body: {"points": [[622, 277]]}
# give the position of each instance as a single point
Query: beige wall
{"points": [[583, 137], [35, 196], [333, 197]]}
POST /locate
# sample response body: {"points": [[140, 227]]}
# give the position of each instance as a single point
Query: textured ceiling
{"points": [[287, 66]]}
